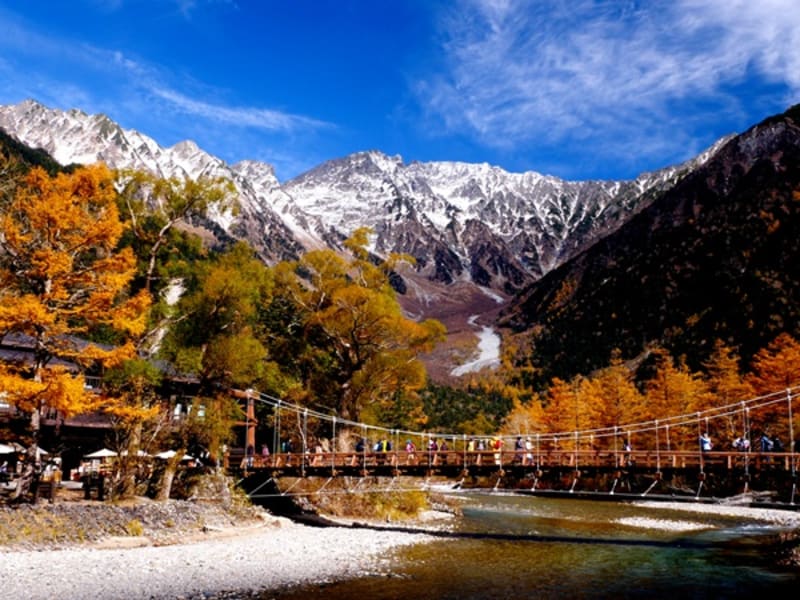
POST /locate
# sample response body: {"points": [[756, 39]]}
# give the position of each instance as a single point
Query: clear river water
{"points": [[511, 546]]}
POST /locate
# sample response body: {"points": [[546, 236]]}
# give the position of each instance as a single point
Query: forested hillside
{"points": [[716, 257]]}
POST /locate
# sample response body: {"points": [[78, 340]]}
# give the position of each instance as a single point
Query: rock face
{"points": [[461, 222]]}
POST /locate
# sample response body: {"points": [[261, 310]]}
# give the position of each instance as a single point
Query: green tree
{"points": [[155, 206], [217, 340], [154, 210], [136, 406], [358, 349]]}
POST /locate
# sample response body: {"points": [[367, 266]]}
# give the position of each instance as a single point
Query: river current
{"points": [[510, 546]]}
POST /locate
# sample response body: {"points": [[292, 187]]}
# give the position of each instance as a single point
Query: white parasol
{"points": [[167, 454], [102, 453]]}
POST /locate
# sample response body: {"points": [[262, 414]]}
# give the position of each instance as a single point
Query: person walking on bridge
{"points": [[497, 446], [265, 455]]}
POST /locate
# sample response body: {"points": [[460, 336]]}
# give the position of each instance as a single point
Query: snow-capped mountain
{"points": [[474, 221], [460, 221]]}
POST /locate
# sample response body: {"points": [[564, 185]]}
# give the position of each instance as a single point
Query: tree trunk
{"points": [[130, 463], [165, 488], [29, 467]]}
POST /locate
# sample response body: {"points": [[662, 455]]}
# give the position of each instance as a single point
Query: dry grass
{"points": [[369, 500]]}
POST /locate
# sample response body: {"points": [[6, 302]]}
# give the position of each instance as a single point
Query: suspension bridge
{"points": [[752, 454]]}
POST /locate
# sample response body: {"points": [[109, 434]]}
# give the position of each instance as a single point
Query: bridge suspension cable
{"points": [[743, 407]]}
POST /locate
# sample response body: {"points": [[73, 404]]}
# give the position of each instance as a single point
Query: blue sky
{"points": [[574, 88]]}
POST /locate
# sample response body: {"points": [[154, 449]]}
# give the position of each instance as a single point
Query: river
{"points": [[532, 547], [488, 351]]}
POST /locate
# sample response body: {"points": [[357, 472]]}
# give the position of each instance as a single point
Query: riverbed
{"points": [[227, 564], [488, 351]]}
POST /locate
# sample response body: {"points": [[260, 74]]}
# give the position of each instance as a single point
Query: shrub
{"points": [[134, 528]]}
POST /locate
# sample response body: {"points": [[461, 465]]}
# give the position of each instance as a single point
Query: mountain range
{"points": [[461, 222], [581, 266]]}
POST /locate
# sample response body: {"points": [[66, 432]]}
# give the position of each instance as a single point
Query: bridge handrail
{"points": [[649, 458], [596, 433]]}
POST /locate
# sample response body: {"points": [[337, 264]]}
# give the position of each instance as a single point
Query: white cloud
{"points": [[241, 117], [143, 95], [520, 73]]}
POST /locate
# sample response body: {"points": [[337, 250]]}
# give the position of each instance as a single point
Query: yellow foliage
{"points": [[777, 366], [611, 397], [373, 346], [61, 276], [560, 406], [524, 418], [129, 414]]}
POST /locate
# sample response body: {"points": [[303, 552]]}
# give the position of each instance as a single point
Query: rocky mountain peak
{"points": [[529, 222]]}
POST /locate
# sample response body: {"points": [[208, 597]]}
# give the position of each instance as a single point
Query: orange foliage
{"points": [[673, 391], [725, 385], [775, 368], [60, 276], [611, 398]]}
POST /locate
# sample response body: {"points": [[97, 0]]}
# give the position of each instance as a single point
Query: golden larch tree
{"points": [[61, 279], [671, 393], [776, 369], [725, 385], [612, 399], [562, 411]]}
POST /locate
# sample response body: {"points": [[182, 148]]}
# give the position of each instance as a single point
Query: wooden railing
{"points": [[646, 459]]}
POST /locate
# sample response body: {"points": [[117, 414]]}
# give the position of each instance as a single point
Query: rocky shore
{"points": [[197, 550], [176, 550]]}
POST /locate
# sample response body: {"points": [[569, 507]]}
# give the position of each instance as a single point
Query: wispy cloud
{"points": [[543, 72], [241, 117], [141, 94]]}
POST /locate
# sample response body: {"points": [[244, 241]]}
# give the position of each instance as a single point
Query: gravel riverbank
{"points": [[273, 555], [187, 550]]}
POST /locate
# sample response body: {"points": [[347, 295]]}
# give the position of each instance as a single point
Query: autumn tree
{"points": [[611, 398], [358, 350], [774, 369], [562, 410], [672, 392], [524, 418], [724, 385], [62, 280]]}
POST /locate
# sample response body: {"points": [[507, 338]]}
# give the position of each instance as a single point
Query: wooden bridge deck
{"points": [[598, 475], [452, 462]]}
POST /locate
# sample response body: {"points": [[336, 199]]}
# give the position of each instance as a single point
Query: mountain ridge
{"points": [[715, 257], [481, 235], [460, 221]]}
